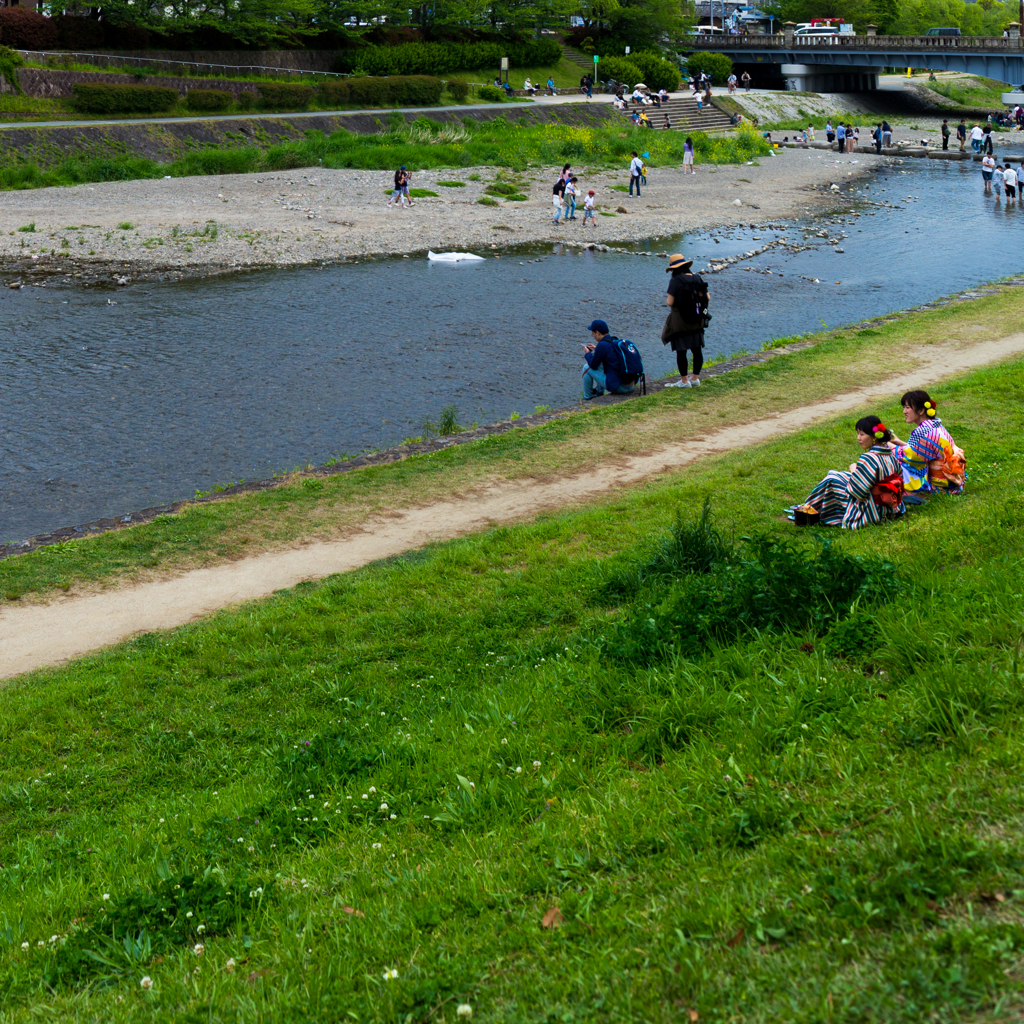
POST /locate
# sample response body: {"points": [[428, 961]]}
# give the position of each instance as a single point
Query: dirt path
{"points": [[36, 636]]}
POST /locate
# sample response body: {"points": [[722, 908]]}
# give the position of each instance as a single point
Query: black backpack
{"points": [[633, 363]]}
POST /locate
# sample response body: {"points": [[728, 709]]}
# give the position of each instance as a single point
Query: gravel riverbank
{"points": [[188, 227]]}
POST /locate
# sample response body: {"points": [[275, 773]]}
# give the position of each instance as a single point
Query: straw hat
{"points": [[678, 262]]}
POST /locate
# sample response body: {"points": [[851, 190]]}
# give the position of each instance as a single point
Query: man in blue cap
{"points": [[607, 365]]}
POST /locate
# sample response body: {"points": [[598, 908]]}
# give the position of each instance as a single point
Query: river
{"points": [[117, 400]]}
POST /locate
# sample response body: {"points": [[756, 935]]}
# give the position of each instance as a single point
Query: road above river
{"points": [[187, 227]]}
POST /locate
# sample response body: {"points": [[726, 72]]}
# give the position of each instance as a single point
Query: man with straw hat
{"points": [[687, 300]]}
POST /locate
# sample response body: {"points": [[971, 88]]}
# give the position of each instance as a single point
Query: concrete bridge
{"points": [[998, 57]]}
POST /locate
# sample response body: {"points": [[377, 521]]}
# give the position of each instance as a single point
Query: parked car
{"points": [[943, 32]]}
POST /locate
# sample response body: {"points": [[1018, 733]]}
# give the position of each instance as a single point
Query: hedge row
{"points": [[442, 58], [107, 98], [413, 90]]}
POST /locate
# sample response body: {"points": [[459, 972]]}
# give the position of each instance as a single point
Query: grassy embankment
{"points": [[421, 144], [840, 361], [565, 74], [971, 92], [757, 780]]}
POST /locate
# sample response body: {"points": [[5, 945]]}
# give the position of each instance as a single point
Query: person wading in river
{"points": [[687, 300]]}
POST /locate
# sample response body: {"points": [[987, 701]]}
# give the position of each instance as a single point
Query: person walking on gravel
{"points": [[636, 167], [588, 210], [687, 300]]}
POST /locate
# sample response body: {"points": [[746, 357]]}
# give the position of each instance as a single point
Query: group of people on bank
{"points": [[890, 476]]}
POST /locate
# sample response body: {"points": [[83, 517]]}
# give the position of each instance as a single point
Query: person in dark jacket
{"points": [[687, 300], [606, 367]]}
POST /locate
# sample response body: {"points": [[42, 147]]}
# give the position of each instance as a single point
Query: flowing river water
{"points": [[107, 408]]}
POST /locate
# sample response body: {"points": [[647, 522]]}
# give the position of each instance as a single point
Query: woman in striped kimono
{"points": [[872, 489], [930, 459]]}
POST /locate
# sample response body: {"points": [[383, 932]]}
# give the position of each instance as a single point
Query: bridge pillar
{"points": [[872, 30], [1013, 30]]}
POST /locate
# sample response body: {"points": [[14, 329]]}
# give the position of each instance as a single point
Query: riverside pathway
{"points": [[36, 636]]}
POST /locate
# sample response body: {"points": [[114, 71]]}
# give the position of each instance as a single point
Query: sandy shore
{"points": [[202, 225]]}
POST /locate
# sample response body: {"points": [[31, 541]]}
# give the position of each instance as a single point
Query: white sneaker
{"points": [[678, 384], [695, 383]]}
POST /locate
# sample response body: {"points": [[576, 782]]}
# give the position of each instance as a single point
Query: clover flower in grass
{"points": [[229, 964], [106, 895], [189, 914], [393, 817], [464, 1010], [199, 949], [383, 807], [147, 983], [390, 974], [373, 789], [376, 846], [536, 764], [25, 945], [519, 771]]}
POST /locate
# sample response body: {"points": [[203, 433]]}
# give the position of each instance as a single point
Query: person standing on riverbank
{"points": [[961, 134], [588, 210], [945, 134], [840, 137], [876, 137], [557, 198], [830, 134], [636, 166], [886, 133], [688, 156], [400, 195], [687, 300]]}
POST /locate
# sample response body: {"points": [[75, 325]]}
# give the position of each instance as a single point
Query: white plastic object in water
{"points": [[451, 257]]}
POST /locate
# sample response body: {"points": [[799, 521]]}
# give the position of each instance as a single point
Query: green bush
{"points": [[277, 95], [105, 98], [333, 94], [656, 72], [441, 58], [491, 93], [209, 99], [246, 99], [410, 90], [459, 91], [717, 65], [621, 70]]}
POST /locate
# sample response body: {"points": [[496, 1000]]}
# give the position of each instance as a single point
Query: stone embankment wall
{"points": [[54, 83], [305, 60]]}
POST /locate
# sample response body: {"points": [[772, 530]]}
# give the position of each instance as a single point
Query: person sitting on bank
{"points": [[870, 491], [606, 368], [930, 459], [529, 88]]}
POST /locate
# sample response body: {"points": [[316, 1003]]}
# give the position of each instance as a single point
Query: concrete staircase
{"points": [[685, 117], [581, 60]]}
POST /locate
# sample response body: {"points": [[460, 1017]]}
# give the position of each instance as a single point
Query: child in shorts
{"points": [[588, 209]]}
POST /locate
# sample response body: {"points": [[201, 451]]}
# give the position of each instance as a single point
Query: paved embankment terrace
{"points": [[309, 215]]}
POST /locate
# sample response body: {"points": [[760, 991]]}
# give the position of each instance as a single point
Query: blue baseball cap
{"points": [[598, 325]]}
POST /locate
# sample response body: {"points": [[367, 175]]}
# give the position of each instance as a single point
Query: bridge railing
{"points": [[847, 42]]}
